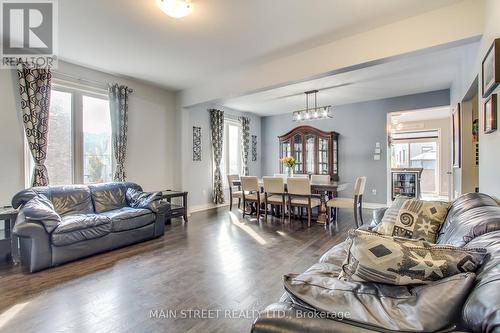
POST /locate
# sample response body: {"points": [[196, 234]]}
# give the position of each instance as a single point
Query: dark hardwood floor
{"points": [[217, 261]]}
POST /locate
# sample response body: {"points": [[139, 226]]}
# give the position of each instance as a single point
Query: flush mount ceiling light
{"points": [[312, 113], [175, 8]]}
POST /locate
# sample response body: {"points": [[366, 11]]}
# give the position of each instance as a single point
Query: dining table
{"points": [[330, 189]]}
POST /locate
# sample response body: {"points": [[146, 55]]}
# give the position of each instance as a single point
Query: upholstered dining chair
{"points": [[320, 179], [251, 193], [356, 202], [234, 191], [299, 195], [274, 194]]}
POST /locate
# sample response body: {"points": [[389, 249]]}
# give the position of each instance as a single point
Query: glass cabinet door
{"points": [[323, 156], [286, 149], [297, 153], [310, 153], [335, 158]]}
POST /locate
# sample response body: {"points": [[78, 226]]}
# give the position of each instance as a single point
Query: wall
{"points": [[360, 126], [444, 125], [151, 136], [197, 175], [489, 159]]}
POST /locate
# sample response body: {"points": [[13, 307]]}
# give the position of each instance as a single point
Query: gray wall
{"points": [[197, 176], [360, 126]]}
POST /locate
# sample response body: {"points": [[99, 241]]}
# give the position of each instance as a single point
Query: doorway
{"points": [[419, 143]]}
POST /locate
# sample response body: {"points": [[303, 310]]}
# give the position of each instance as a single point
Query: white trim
{"points": [[201, 208]]}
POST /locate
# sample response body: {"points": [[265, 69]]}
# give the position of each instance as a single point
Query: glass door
{"points": [[310, 152], [297, 153]]}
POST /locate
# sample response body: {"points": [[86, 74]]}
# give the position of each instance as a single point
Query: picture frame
{"points": [[490, 114], [455, 115], [490, 68]]}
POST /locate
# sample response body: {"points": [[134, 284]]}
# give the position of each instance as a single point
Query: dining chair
{"points": [[320, 179], [250, 191], [232, 192], [356, 202], [299, 195], [274, 194]]}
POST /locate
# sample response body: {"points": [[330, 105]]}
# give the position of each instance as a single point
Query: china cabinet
{"points": [[315, 151]]}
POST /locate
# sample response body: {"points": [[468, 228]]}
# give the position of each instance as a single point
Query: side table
{"points": [[9, 244], [176, 210]]}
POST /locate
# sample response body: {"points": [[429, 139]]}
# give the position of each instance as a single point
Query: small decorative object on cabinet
{"points": [[455, 114], [406, 182], [314, 151], [490, 68], [490, 114]]}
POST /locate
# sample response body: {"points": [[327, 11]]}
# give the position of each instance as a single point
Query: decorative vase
{"points": [[290, 172]]}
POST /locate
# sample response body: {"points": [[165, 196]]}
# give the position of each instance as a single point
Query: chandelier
{"points": [[312, 113]]}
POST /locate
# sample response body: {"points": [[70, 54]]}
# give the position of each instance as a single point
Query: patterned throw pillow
{"points": [[415, 219], [399, 261]]}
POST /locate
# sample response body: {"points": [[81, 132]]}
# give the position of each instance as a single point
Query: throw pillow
{"points": [[415, 219], [400, 261], [40, 209], [146, 200]]}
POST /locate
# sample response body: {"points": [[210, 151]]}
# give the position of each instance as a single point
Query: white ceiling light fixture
{"points": [[176, 8], [312, 113]]}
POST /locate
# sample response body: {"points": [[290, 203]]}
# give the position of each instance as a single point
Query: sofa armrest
{"points": [[35, 246], [284, 317]]}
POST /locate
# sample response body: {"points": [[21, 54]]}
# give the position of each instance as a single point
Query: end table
{"points": [[176, 210], [9, 247]]}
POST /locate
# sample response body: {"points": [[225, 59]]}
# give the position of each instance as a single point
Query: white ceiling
{"points": [[135, 38], [407, 75]]}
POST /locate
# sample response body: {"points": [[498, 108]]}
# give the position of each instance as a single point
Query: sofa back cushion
{"points": [[110, 196], [462, 205], [481, 311], [414, 219], [71, 199]]}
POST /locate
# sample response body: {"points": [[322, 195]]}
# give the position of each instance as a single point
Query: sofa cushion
{"points": [[425, 308], [146, 200], [108, 196], [77, 228], [336, 255], [463, 204], [481, 312], [127, 218], [400, 261], [71, 199], [416, 219], [40, 210], [470, 224]]}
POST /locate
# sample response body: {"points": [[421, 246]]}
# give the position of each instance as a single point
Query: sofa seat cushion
{"points": [[77, 228], [426, 308], [128, 218]]}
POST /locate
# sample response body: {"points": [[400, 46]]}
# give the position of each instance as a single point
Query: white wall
{"points": [[489, 158], [151, 140], [197, 175]]}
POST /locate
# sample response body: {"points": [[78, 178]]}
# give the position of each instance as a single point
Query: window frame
{"points": [[77, 92]]}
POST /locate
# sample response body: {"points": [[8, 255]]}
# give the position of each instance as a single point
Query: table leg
{"points": [[322, 211], [185, 204]]}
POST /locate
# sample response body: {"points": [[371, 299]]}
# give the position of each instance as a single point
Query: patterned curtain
{"points": [[118, 106], [245, 143], [34, 87], [217, 136]]}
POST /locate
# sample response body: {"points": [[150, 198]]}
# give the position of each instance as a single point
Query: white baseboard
{"points": [[201, 208]]}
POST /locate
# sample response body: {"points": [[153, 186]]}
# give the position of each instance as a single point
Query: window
{"points": [[231, 154], [79, 140]]}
